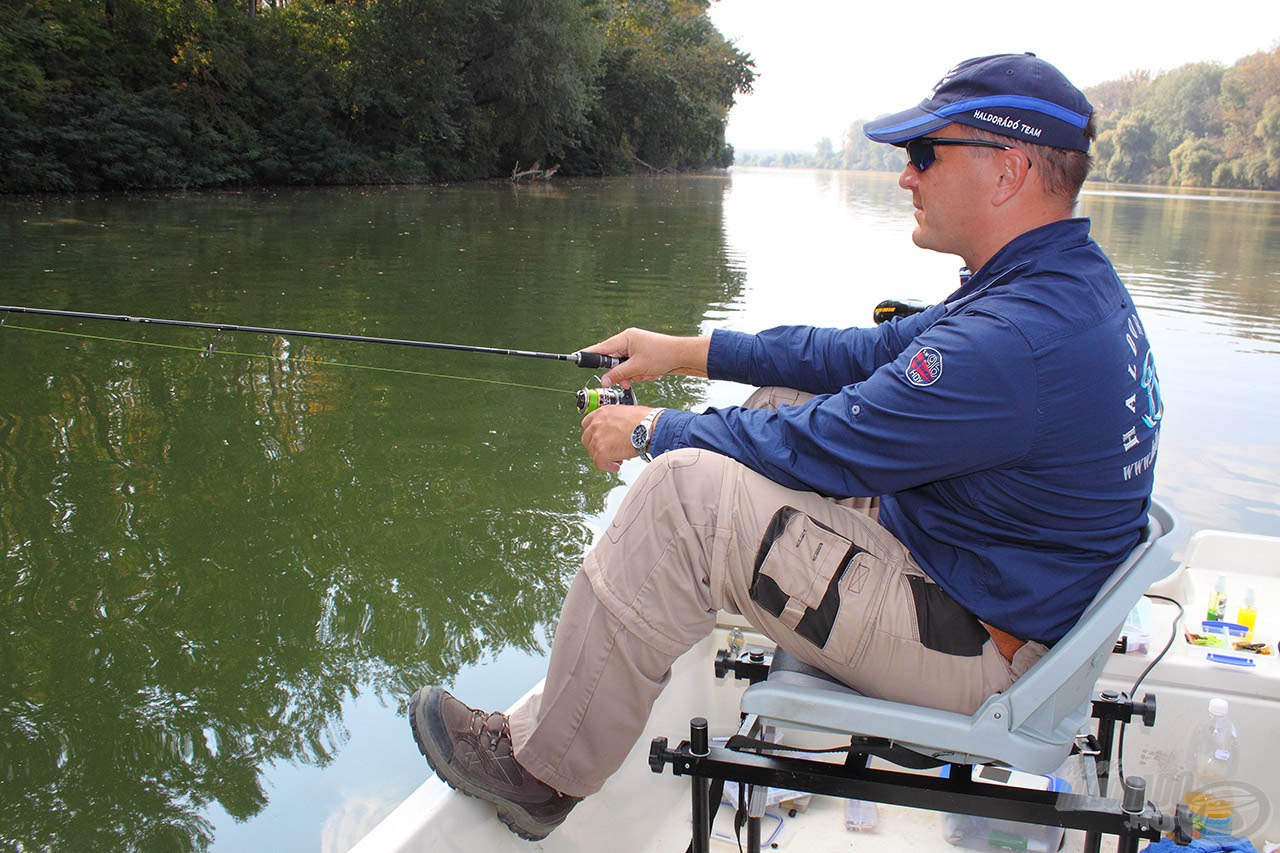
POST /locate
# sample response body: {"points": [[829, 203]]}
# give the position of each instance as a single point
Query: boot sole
{"points": [[515, 818]]}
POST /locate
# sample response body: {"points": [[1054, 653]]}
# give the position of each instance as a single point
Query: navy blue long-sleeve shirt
{"points": [[1011, 431]]}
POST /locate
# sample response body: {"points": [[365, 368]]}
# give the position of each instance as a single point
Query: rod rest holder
{"points": [[1117, 707], [749, 665]]}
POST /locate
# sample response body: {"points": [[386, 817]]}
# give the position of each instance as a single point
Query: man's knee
{"points": [[685, 466], [673, 492], [691, 472]]}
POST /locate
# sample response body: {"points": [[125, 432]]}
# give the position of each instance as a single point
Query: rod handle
{"points": [[595, 360]]}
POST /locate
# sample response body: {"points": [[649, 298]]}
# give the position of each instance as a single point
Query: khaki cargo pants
{"points": [[699, 532]]}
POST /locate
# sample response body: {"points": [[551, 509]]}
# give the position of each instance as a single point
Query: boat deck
{"points": [[638, 811], [822, 827]]}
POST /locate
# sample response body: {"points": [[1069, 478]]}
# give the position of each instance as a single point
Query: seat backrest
{"points": [[1051, 701]]}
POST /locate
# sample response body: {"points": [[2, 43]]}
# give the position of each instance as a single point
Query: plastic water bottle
{"points": [[1217, 611], [1213, 755]]}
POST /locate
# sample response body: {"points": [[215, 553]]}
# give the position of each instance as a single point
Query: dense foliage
{"points": [[124, 94], [1201, 125]]}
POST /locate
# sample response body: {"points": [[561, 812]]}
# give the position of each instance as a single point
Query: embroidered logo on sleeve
{"points": [[925, 367]]}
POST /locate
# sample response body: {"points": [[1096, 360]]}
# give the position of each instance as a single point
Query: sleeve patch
{"points": [[925, 367]]}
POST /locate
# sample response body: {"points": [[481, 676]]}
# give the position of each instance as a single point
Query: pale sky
{"points": [[824, 63]]}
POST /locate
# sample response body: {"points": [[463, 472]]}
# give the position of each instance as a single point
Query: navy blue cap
{"points": [[1013, 94]]}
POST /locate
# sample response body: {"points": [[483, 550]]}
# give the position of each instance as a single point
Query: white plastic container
{"points": [[861, 816], [989, 834]]}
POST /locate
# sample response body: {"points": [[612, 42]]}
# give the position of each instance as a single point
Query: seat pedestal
{"points": [[1130, 818]]}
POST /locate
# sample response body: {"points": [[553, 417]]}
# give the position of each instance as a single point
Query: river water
{"points": [[229, 558]]}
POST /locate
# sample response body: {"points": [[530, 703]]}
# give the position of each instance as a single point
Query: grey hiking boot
{"points": [[471, 751]]}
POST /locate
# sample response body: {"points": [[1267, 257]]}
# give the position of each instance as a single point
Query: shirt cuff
{"points": [[729, 355], [669, 430]]}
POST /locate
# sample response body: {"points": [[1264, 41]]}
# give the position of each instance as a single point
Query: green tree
{"points": [[1119, 96], [668, 81], [1195, 125], [1184, 102], [187, 93], [1194, 163], [1267, 133], [530, 74], [1132, 144], [861, 153]]}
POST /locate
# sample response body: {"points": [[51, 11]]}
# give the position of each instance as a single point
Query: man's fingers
{"points": [[606, 434]]}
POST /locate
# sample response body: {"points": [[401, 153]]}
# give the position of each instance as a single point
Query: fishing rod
{"points": [[588, 398], [590, 360]]}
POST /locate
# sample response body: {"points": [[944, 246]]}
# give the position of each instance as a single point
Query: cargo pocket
{"points": [[944, 625], [797, 573]]}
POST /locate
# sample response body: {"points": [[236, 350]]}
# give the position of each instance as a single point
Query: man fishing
{"points": [[920, 509]]}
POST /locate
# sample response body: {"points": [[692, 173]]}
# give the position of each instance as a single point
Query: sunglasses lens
{"points": [[920, 154]]}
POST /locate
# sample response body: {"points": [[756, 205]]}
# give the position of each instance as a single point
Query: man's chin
{"points": [[924, 240]]}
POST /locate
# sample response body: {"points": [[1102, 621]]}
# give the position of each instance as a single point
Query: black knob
{"points": [[723, 664], [1149, 709], [658, 754], [1135, 795]]}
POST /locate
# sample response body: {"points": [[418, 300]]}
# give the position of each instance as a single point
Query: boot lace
{"points": [[486, 733]]}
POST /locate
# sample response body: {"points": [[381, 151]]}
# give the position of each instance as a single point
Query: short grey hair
{"points": [[1062, 170]]}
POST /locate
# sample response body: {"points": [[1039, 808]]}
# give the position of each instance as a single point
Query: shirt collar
{"points": [[1020, 251]]}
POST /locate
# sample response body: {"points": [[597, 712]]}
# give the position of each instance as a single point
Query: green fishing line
{"points": [[284, 359]]}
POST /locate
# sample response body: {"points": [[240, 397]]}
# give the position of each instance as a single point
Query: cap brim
{"points": [[902, 127]]}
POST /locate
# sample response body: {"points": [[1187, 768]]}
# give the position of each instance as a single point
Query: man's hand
{"points": [[606, 434], [650, 355]]}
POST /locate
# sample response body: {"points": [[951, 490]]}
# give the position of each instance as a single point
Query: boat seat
{"points": [[788, 670], [1031, 726]]}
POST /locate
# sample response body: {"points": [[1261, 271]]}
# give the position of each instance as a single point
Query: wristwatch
{"points": [[642, 435]]}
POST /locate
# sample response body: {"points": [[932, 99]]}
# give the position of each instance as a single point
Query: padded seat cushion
{"points": [[787, 669]]}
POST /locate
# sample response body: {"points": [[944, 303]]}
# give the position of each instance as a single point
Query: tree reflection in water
{"points": [[204, 557]]}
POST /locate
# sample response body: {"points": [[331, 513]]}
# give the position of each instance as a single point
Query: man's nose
{"points": [[909, 177]]}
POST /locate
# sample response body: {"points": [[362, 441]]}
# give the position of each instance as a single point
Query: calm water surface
{"points": [[225, 572]]}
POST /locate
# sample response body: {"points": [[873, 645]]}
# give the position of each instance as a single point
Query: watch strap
{"points": [[648, 422]]}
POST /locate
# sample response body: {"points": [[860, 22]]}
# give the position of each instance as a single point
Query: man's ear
{"points": [[1013, 172]]}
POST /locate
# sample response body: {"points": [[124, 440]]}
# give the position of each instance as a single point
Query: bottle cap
{"points": [[1250, 595], [1218, 707]]}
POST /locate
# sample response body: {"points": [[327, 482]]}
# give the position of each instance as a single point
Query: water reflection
{"points": [[1204, 268], [1208, 255], [209, 558], [824, 248]]}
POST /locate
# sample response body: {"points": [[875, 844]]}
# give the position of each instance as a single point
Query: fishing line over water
{"points": [[211, 350]]}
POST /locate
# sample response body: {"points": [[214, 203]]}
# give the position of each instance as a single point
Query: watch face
{"points": [[639, 438]]}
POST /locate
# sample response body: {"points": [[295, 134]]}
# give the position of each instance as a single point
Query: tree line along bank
{"points": [[1200, 125], [148, 94]]}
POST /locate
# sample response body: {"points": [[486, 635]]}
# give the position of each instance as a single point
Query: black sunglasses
{"points": [[920, 150]]}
